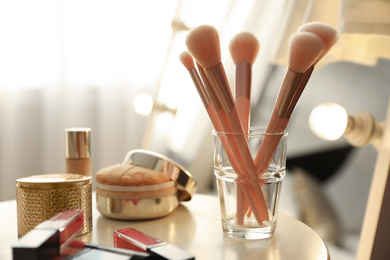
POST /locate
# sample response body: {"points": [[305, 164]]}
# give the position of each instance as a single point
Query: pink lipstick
{"points": [[49, 238], [130, 238]]}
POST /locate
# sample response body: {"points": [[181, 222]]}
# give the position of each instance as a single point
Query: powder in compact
{"points": [[130, 175]]}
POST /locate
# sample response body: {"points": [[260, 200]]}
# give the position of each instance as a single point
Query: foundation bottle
{"points": [[78, 150]]}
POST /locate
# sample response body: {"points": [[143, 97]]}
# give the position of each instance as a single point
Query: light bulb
{"points": [[328, 121], [143, 104]]}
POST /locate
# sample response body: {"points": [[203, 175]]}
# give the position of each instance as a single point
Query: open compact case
{"points": [[146, 185]]}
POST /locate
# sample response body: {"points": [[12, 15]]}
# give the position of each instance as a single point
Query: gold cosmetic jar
{"points": [[149, 201], [40, 197]]}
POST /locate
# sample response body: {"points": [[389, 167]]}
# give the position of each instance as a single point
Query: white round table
{"points": [[194, 226]]}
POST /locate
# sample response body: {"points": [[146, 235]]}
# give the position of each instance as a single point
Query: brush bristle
{"points": [[203, 44], [326, 32], [304, 50], [187, 60], [244, 47]]}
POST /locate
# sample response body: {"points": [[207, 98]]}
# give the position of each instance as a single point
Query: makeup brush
{"points": [[304, 49], [216, 113], [329, 36], [203, 44], [244, 48], [327, 33], [188, 62], [242, 203]]}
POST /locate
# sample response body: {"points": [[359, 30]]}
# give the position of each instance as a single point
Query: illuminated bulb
{"points": [[143, 104], [329, 121]]}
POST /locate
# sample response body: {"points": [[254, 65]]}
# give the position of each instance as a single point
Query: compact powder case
{"points": [[146, 201]]}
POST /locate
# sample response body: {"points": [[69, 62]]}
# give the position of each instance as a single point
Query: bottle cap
{"points": [[77, 143]]}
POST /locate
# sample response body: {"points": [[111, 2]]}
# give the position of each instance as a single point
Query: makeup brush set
{"points": [[230, 114]]}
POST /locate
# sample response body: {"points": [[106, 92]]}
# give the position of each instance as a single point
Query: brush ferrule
{"points": [[302, 84], [211, 94], [243, 79], [199, 87], [220, 85], [286, 93]]}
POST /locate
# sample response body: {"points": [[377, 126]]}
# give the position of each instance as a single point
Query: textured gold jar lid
{"points": [[54, 181], [186, 185], [39, 197]]}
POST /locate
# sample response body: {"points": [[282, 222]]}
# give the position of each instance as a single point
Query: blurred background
{"points": [[114, 66]]}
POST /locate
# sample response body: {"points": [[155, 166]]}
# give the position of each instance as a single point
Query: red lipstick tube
{"points": [[47, 239], [130, 238]]}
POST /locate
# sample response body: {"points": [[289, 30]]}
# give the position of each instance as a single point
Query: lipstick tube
{"points": [[49, 238], [69, 223], [130, 238], [78, 150]]}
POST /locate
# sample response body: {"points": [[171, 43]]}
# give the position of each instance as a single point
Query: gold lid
{"points": [[77, 143], [186, 185], [54, 181]]}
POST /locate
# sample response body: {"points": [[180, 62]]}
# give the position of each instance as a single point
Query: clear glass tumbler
{"points": [[249, 200]]}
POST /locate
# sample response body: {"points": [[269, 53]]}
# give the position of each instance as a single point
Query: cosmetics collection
{"points": [[54, 209], [54, 239], [231, 115]]}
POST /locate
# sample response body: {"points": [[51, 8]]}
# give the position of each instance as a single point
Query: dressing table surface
{"points": [[194, 226]]}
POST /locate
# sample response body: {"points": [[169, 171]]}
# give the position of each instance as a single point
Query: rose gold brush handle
{"points": [[243, 93], [215, 113], [305, 49], [243, 150], [200, 88], [218, 80], [210, 108], [246, 184], [287, 99], [297, 94], [219, 83], [243, 97], [247, 191], [243, 189]]}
